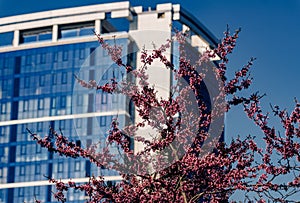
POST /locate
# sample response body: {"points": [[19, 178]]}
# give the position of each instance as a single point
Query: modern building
{"points": [[39, 55]]}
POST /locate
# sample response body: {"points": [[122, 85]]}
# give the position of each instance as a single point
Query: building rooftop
{"points": [[13, 28]]}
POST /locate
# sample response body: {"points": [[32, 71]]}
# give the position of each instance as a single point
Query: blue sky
{"points": [[270, 32]]}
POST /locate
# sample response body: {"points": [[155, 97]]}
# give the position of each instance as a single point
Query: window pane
{"points": [[22, 170], [65, 55], [54, 79], [86, 31], [29, 38], [60, 167], [69, 33], [45, 36], [104, 98], [26, 82], [42, 80], [63, 101], [6, 38], [64, 78], [37, 169], [81, 54], [43, 58]]}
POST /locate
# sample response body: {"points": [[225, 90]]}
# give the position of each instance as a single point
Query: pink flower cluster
{"points": [[244, 164]]}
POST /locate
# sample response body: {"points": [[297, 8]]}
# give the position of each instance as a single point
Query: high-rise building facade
{"points": [[39, 55]]}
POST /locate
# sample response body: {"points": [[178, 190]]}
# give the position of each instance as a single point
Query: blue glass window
{"points": [[64, 78], [54, 79], [76, 30], [43, 58], [114, 98], [69, 33], [37, 190], [24, 126], [92, 56], [29, 38], [6, 38], [81, 53], [60, 167], [42, 80], [63, 101], [5, 85], [3, 108], [22, 171], [48, 95], [26, 82], [105, 75], [41, 104], [2, 151], [104, 98], [38, 149], [37, 169], [21, 192], [53, 103], [25, 105], [103, 121], [17, 68], [36, 35], [78, 122], [62, 124], [65, 55], [77, 165], [28, 59], [55, 56], [23, 149], [45, 36], [79, 100], [5, 62], [86, 31], [40, 126], [116, 72], [2, 131]]}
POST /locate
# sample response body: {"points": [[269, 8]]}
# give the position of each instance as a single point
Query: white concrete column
{"points": [[152, 29], [54, 33], [16, 39], [98, 26]]}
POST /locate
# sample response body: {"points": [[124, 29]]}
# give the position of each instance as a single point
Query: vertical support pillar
{"points": [[54, 33], [98, 26], [16, 39]]}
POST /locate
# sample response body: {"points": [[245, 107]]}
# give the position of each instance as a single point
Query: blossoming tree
{"points": [[187, 171]]}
